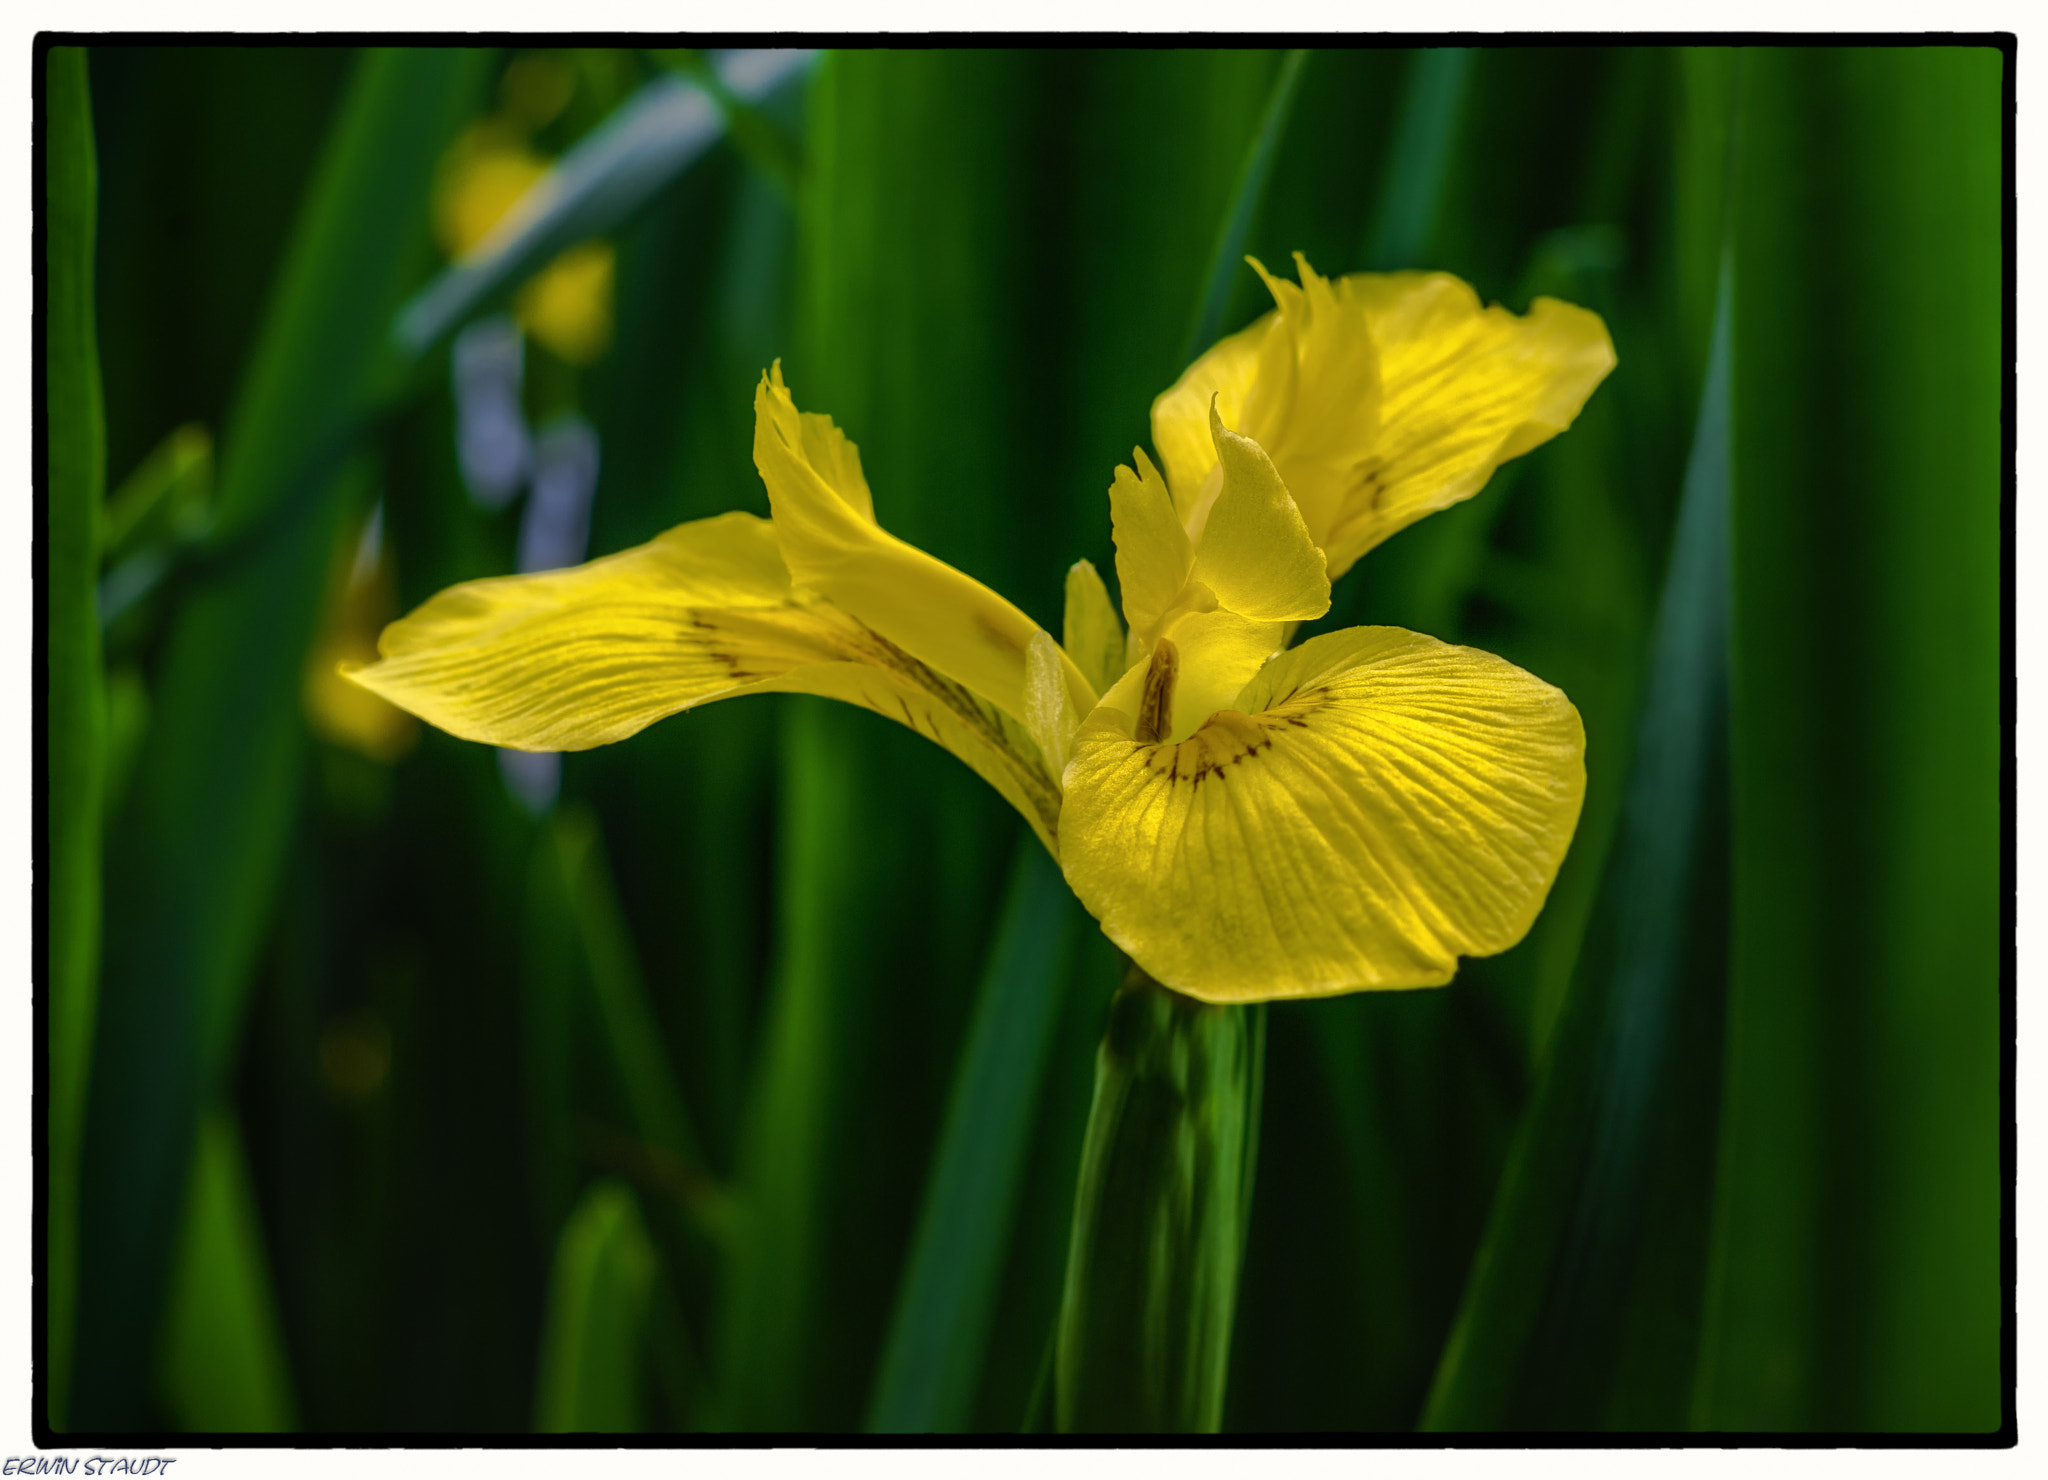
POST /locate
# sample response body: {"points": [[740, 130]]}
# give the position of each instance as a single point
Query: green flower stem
{"points": [[1159, 1216]]}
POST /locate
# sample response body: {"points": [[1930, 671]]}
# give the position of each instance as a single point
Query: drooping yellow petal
{"points": [[996, 746], [1380, 398], [1092, 635], [1050, 715], [1376, 805], [833, 547], [1255, 552], [571, 659], [1463, 390], [1153, 556]]}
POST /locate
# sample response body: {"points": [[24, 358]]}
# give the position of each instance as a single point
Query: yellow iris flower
{"points": [[1246, 821]]}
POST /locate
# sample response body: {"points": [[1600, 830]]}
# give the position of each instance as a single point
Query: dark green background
{"points": [[667, 1071]]}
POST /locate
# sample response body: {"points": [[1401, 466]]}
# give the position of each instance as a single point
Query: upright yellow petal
{"points": [[833, 547], [1303, 383], [1380, 398], [571, 659], [823, 451], [1376, 805], [1328, 404], [1255, 552], [1092, 635], [1153, 556], [1463, 390], [1223, 376]]}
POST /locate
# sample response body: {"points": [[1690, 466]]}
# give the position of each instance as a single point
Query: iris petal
{"points": [[1463, 390], [1256, 554], [1376, 805], [941, 616], [1092, 635], [1381, 397], [571, 659], [1153, 556]]}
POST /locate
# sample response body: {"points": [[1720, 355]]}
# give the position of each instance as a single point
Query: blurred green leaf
{"points": [[74, 691], [166, 497], [127, 721], [155, 519], [1535, 1342], [191, 861], [1226, 262], [631, 1030], [222, 1365], [932, 1363], [552, 990], [591, 1366], [196, 212], [1413, 187], [770, 150], [592, 189], [1577, 547], [1707, 120], [772, 1276], [1857, 1254]]}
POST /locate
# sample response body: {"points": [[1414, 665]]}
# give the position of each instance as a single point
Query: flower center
{"points": [[1155, 712]]}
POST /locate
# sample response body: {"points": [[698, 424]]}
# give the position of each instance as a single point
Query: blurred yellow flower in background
{"points": [[568, 307], [363, 597], [490, 167], [482, 176]]}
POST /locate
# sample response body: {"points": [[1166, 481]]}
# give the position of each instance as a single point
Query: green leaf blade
{"points": [[1425, 143], [1857, 1262], [594, 1331], [1535, 1345], [72, 669], [933, 1358], [1225, 261], [223, 1366]]}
